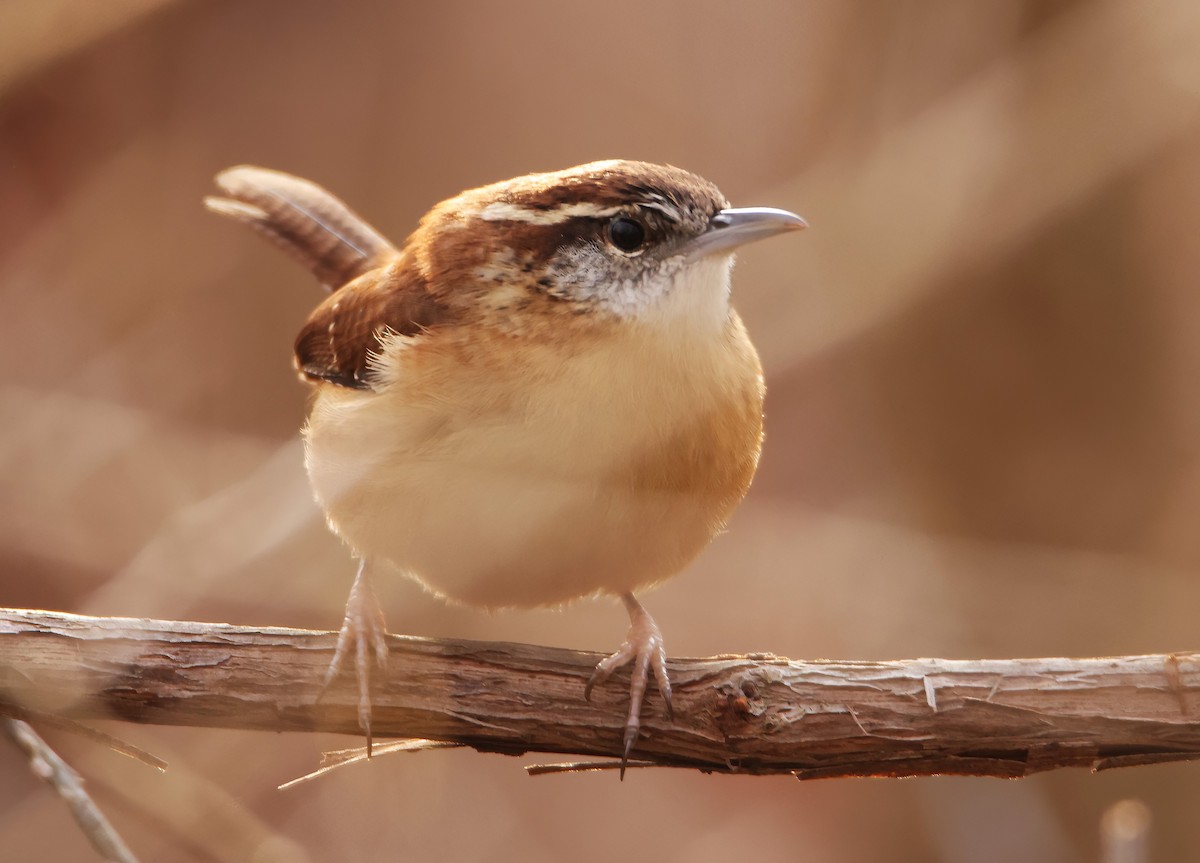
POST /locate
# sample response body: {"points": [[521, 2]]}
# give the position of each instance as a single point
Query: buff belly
{"points": [[500, 501]]}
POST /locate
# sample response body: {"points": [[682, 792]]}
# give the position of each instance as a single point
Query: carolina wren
{"points": [[545, 394]]}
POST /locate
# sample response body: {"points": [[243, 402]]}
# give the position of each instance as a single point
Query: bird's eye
{"points": [[627, 234]]}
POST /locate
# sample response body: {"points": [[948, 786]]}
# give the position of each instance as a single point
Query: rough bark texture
{"points": [[754, 714]]}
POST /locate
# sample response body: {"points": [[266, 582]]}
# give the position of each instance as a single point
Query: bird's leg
{"points": [[364, 634], [643, 647]]}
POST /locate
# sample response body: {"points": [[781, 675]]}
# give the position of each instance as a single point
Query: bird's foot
{"points": [[644, 647], [363, 634]]}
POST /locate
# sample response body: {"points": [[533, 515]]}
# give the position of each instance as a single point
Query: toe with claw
{"points": [[644, 647], [363, 634]]}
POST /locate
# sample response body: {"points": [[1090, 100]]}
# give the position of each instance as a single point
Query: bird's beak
{"points": [[731, 228]]}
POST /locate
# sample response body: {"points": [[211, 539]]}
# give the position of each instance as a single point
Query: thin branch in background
{"points": [[116, 744], [49, 766]]}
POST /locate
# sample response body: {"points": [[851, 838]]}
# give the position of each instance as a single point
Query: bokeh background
{"points": [[983, 357]]}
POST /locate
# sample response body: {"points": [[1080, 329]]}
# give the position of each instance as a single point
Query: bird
{"points": [[543, 394]]}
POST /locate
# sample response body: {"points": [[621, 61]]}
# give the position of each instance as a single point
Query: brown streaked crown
{"points": [[539, 215], [612, 183]]}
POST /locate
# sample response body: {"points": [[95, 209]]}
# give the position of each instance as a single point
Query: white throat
{"points": [[685, 298]]}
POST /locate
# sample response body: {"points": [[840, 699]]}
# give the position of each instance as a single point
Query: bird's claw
{"points": [[645, 648], [363, 633]]}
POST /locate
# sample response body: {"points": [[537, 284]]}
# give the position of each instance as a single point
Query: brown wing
{"points": [[328, 238], [343, 332]]}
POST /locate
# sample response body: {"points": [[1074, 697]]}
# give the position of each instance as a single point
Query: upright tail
{"points": [[332, 241]]}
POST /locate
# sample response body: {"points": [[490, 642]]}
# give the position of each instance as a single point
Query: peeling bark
{"points": [[756, 714]]}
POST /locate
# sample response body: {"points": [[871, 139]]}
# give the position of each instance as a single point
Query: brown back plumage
{"points": [[342, 334], [373, 288]]}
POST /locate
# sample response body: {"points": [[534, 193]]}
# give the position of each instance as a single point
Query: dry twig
{"points": [[58, 774]]}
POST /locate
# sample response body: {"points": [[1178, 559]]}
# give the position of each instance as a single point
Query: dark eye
{"points": [[626, 234]]}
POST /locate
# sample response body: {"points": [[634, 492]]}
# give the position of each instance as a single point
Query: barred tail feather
{"points": [[329, 239]]}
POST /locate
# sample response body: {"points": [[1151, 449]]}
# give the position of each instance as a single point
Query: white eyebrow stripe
{"points": [[504, 212], [667, 209]]}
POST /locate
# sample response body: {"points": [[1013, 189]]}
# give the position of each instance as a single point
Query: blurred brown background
{"points": [[982, 359]]}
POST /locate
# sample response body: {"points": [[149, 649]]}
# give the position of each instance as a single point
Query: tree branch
{"points": [[754, 714]]}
